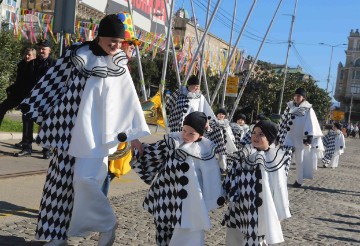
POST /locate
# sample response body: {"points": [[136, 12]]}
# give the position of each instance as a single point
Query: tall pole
{"points": [[197, 40], [351, 103], [213, 96], [227, 71], [328, 77], [253, 64], [141, 75], [287, 58], [202, 40], [163, 75]]}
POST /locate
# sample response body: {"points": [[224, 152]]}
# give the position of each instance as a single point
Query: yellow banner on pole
{"points": [[337, 115], [232, 86]]}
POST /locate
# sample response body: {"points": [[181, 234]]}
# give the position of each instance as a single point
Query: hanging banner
{"points": [[232, 86], [148, 15]]}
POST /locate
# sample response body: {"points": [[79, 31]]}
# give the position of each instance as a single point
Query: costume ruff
{"points": [[239, 132], [178, 106], [54, 104], [174, 199], [247, 184]]}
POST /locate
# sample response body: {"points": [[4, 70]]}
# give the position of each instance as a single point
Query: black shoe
{"points": [[19, 145], [297, 185], [46, 155], [23, 153]]}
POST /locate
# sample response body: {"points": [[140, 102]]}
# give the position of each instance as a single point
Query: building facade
{"points": [[347, 90]]}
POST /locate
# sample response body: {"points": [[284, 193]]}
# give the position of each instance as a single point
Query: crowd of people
{"points": [[81, 103]]}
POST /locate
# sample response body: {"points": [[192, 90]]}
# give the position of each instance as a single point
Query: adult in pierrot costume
{"points": [[82, 105]]}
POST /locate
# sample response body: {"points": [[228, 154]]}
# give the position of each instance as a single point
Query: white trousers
{"points": [[299, 160], [92, 211], [235, 237], [187, 237]]}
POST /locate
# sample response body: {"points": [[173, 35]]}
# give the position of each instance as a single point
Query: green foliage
{"points": [[10, 55], [10, 126]]}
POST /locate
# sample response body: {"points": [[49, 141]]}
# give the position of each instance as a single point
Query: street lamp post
{"points": [[331, 54]]}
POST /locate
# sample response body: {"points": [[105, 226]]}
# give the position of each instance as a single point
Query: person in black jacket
{"points": [[41, 64], [18, 90]]}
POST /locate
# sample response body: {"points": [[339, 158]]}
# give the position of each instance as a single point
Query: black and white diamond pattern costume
{"points": [[181, 103], [185, 184], [220, 133], [239, 133], [297, 123], [57, 104], [334, 143], [256, 192]]}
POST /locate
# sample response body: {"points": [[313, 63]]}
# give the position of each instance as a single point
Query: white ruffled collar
{"points": [[203, 150], [91, 60]]}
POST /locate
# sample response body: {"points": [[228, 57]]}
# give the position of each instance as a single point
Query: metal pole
{"points": [[328, 78], [174, 51], [202, 65], [202, 41], [61, 42], [227, 71], [162, 84], [253, 64], [138, 58], [232, 54], [287, 58], [351, 103], [201, 71]]}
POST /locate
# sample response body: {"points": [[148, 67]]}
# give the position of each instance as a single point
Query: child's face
{"points": [[240, 122], [189, 134], [259, 140], [220, 116]]}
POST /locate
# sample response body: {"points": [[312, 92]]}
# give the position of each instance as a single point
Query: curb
{"points": [[11, 136]]}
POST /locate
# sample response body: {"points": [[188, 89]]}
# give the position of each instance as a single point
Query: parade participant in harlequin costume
{"points": [[77, 105], [247, 137], [239, 128], [119, 162], [185, 100], [185, 183], [256, 190], [334, 143], [220, 133], [298, 127]]}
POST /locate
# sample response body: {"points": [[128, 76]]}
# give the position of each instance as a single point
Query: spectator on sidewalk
{"points": [[23, 84], [41, 65]]}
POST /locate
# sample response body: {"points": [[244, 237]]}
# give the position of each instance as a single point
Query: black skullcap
{"points": [[111, 26], [269, 129], [238, 116], [196, 120], [44, 43], [261, 117], [221, 111], [338, 125], [301, 91], [193, 80]]}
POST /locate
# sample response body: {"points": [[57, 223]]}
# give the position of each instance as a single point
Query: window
{"points": [[357, 63], [356, 75]]}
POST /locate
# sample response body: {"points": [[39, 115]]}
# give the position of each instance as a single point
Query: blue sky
{"points": [[316, 21]]}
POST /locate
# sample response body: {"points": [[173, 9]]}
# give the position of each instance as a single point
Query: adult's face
{"points": [[29, 56], [110, 45], [44, 52], [194, 88], [128, 47], [298, 98]]}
